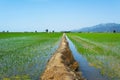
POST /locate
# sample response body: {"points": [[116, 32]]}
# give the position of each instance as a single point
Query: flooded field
{"points": [[24, 55], [101, 50]]}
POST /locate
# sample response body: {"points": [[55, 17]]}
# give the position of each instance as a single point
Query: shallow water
{"points": [[89, 72], [24, 66]]}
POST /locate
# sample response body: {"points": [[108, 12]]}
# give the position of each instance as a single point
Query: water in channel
{"points": [[89, 72]]}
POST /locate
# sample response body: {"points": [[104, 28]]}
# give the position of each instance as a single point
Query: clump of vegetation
{"points": [[101, 50]]}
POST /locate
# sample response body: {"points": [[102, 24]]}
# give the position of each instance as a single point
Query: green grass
{"points": [[23, 56], [102, 51]]}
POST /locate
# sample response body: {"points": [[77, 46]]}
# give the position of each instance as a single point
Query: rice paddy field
{"points": [[102, 51], [23, 56]]}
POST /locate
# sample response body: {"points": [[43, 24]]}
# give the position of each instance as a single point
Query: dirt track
{"points": [[62, 65]]}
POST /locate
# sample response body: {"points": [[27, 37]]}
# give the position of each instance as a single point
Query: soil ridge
{"points": [[62, 65]]}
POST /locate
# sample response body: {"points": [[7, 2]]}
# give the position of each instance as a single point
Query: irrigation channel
{"points": [[62, 65], [67, 64], [89, 72]]}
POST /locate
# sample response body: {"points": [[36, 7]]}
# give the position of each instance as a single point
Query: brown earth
{"points": [[62, 65]]}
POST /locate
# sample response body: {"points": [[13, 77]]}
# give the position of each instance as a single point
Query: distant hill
{"points": [[108, 27]]}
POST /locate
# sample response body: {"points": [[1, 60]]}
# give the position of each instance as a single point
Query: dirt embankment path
{"points": [[62, 65]]}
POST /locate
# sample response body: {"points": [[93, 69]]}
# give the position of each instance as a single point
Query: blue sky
{"points": [[58, 15]]}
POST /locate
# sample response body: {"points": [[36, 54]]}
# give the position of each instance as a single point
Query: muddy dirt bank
{"points": [[62, 65]]}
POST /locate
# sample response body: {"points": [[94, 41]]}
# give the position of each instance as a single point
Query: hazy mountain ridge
{"points": [[108, 27]]}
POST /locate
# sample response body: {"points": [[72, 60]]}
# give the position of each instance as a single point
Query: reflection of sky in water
{"points": [[31, 60], [88, 72], [36, 67]]}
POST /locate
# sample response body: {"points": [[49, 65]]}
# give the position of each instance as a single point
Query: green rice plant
{"points": [[24, 55], [101, 50]]}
